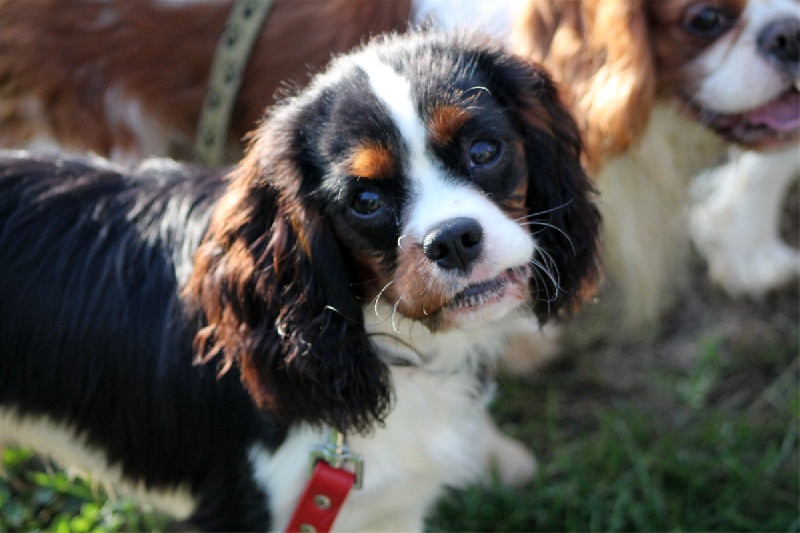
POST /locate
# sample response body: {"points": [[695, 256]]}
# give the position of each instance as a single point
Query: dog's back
{"points": [[92, 262]]}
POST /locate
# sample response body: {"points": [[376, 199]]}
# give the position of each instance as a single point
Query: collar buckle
{"points": [[337, 454]]}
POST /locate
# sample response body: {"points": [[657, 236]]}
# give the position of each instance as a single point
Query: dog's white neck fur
{"points": [[424, 444]]}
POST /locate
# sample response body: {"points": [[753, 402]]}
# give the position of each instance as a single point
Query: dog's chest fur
{"points": [[433, 435]]}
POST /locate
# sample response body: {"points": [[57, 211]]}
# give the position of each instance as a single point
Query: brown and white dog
{"points": [[635, 70], [360, 269]]}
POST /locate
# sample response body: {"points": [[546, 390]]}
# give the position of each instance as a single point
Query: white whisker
{"points": [[394, 312], [378, 297], [565, 204], [544, 270], [551, 226], [400, 241]]}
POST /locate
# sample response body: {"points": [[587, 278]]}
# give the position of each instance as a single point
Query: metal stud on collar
{"points": [[230, 60]]}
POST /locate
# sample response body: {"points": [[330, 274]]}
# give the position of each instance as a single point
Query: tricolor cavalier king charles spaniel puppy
{"points": [[358, 270]]}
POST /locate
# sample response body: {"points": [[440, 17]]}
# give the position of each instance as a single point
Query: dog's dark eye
{"points": [[483, 152], [706, 21], [367, 202]]}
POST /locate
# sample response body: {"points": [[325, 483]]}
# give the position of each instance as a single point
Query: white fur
{"points": [[643, 198], [736, 77], [62, 444], [36, 134], [644, 191], [735, 221]]}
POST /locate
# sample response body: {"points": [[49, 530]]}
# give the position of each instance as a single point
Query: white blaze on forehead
{"points": [[394, 91], [437, 197]]}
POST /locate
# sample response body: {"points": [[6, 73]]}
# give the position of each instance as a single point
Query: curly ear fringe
{"points": [[599, 52], [560, 198], [275, 293]]}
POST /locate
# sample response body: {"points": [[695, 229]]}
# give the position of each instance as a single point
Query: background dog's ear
{"points": [[560, 201], [276, 294], [600, 53]]}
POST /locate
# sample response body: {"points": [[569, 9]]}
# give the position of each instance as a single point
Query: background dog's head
{"points": [[736, 64], [733, 64], [439, 175]]}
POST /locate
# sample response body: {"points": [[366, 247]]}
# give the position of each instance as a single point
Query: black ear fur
{"points": [[275, 291], [560, 200]]}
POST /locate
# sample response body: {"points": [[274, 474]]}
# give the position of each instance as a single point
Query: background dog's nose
{"points": [[780, 43], [455, 243]]}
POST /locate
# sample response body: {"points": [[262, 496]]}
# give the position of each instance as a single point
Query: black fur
{"points": [[93, 333]]}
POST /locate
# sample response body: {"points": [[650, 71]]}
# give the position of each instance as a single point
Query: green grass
{"points": [[712, 447], [36, 496], [627, 438], [633, 472], [623, 469]]}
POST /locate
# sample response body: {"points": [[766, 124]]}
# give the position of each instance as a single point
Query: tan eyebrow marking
{"points": [[444, 123], [372, 161]]}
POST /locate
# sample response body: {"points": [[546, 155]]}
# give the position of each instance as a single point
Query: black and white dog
{"points": [[358, 270]]}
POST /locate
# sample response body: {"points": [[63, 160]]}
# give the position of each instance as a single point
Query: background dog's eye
{"points": [[706, 21], [367, 202], [483, 152]]}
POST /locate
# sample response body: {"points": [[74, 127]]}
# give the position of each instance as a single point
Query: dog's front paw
{"points": [[511, 461], [756, 271], [530, 348], [734, 222]]}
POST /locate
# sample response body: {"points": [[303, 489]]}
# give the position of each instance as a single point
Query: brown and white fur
{"points": [[126, 78], [637, 72]]}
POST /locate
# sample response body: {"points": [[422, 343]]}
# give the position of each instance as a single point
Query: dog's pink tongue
{"points": [[781, 115]]}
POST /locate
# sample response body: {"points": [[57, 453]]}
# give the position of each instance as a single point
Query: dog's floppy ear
{"points": [[562, 214], [600, 52], [275, 292]]}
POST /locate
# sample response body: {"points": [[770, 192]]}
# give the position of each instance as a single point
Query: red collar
{"points": [[328, 486]]}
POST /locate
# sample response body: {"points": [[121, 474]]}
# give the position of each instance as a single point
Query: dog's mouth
{"points": [[484, 294], [772, 124]]}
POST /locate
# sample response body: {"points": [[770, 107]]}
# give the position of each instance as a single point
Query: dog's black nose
{"points": [[780, 43], [455, 243]]}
